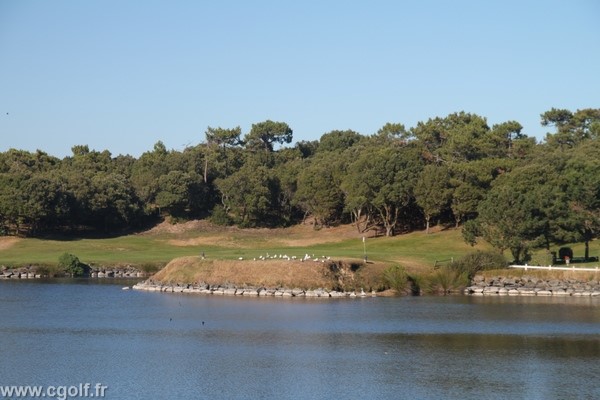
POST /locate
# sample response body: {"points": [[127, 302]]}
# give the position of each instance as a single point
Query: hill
{"points": [[342, 275]]}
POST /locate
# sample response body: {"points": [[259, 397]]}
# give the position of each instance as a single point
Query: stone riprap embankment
{"points": [[19, 273], [95, 272], [204, 288], [125, 272], [532, 286]]}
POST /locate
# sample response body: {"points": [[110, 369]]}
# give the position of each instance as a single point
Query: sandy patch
{"points": [[306, 235], [7, 242], [215, 240], [183, 227], [301, 235], [290, 237]]}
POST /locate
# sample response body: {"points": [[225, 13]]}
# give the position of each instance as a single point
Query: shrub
{"points": [[219, 216], [477, 261], [151, 267], [71, 265], [446, 280], [417, 284], [396, 278], [48, 270]]}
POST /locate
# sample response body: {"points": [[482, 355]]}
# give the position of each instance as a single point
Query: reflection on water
{"points": [[151, 345]]}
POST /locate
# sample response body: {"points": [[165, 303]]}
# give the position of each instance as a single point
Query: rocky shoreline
{"points": [[203, 288], [33, 272], [532, 286]]}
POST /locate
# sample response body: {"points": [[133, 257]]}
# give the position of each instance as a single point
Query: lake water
{"points": [[147, 345]]}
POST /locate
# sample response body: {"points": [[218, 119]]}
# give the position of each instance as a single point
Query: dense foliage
{"points": [[71, 265], [496, 182]]}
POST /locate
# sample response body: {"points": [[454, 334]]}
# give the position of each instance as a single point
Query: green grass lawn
{"points": [[121, 250], [415, 250]]}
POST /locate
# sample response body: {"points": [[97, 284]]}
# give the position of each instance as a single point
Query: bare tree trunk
{"points": [[587, 250], [205, 169], [356, 216], [389, 215]]}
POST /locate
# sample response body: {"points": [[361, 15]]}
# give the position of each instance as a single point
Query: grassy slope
{"points": [[416, 251]]}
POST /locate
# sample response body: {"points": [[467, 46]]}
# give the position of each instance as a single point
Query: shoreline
{"points": [[95, 273], [527, 285], [230, 290]]}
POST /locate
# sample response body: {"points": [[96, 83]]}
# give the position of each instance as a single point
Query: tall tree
{"points": [[181, 194], [338, 140], [250, 195], [218, 141], [264, 135], [471, 181], [516, 213], [571, 128], [455, 138], [381, 180], [577, 216], [145, 175], [432, 191], [392, 131], [319, 192], [502, 139]]}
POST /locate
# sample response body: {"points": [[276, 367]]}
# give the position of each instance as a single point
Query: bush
{"points": [[477, 261], [71, 265], [396, 278], [219, 216], [48, 270], [151, 268], [446, 280], [417, 284]]}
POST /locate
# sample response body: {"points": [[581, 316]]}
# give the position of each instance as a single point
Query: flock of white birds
{"points": [[306, 257]]}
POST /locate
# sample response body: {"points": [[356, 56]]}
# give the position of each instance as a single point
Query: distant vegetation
{"points": [[71, 265], [497, 183]]}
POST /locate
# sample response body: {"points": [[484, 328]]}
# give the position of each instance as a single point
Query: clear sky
{"points": [[121, 75]]}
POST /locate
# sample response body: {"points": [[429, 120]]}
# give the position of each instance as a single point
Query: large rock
{"points": [[491, 290]]}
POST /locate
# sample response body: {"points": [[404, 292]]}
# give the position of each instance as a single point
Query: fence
{"points": [[553, 268], [439, 263]]}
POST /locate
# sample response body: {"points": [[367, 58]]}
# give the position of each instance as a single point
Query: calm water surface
{"points": [[162, 346]]}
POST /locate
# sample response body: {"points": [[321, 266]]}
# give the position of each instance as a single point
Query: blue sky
{"points": [[121, 75]]}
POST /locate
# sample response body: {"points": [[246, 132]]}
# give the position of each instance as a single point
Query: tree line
{"points": [[496, 182]]}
